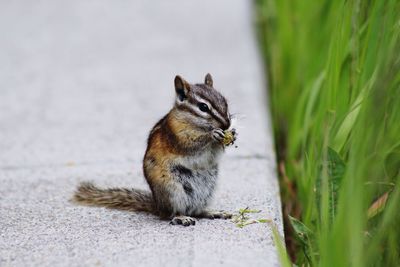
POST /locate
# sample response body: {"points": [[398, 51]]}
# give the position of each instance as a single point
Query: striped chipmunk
{"points": [[181, 160]]}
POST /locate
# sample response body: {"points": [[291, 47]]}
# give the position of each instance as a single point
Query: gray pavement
{"points": [[81, 84]]}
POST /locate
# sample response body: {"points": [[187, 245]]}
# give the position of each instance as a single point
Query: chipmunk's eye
{"points": [[203, 107]]}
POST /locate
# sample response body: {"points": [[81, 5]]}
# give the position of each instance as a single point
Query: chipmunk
{"points": [[181, 161]]}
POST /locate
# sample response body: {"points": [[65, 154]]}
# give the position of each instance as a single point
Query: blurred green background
{"points": [[334, 82]]}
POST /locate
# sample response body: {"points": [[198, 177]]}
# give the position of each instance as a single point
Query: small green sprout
{"points": [[243, 219]]}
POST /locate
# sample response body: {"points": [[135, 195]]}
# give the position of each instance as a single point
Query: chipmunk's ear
{"points": [[182, 87], [208, 80]]}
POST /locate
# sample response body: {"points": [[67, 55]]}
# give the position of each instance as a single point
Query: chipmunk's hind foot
{"points": [[211, 214], [183, 220]]}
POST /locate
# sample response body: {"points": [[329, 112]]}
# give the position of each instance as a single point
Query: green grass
{"points": [[334, 82]]}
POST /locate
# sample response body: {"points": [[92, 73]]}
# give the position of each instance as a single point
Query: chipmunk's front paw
{"points": [[218, 135], [183, 220], [216, 215]]}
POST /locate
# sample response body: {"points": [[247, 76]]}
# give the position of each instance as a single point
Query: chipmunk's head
{"points": [[201, 104]]}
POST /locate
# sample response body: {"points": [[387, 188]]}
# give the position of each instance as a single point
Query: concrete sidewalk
{"points": [[81, 84]]}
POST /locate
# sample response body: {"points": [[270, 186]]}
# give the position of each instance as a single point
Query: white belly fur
{"points": [[204, 168]]}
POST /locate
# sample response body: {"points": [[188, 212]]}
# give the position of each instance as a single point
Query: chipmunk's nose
{"points": [[226, 124]]}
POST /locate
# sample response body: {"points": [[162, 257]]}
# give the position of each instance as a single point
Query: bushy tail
{"points": [[114, 198]]}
